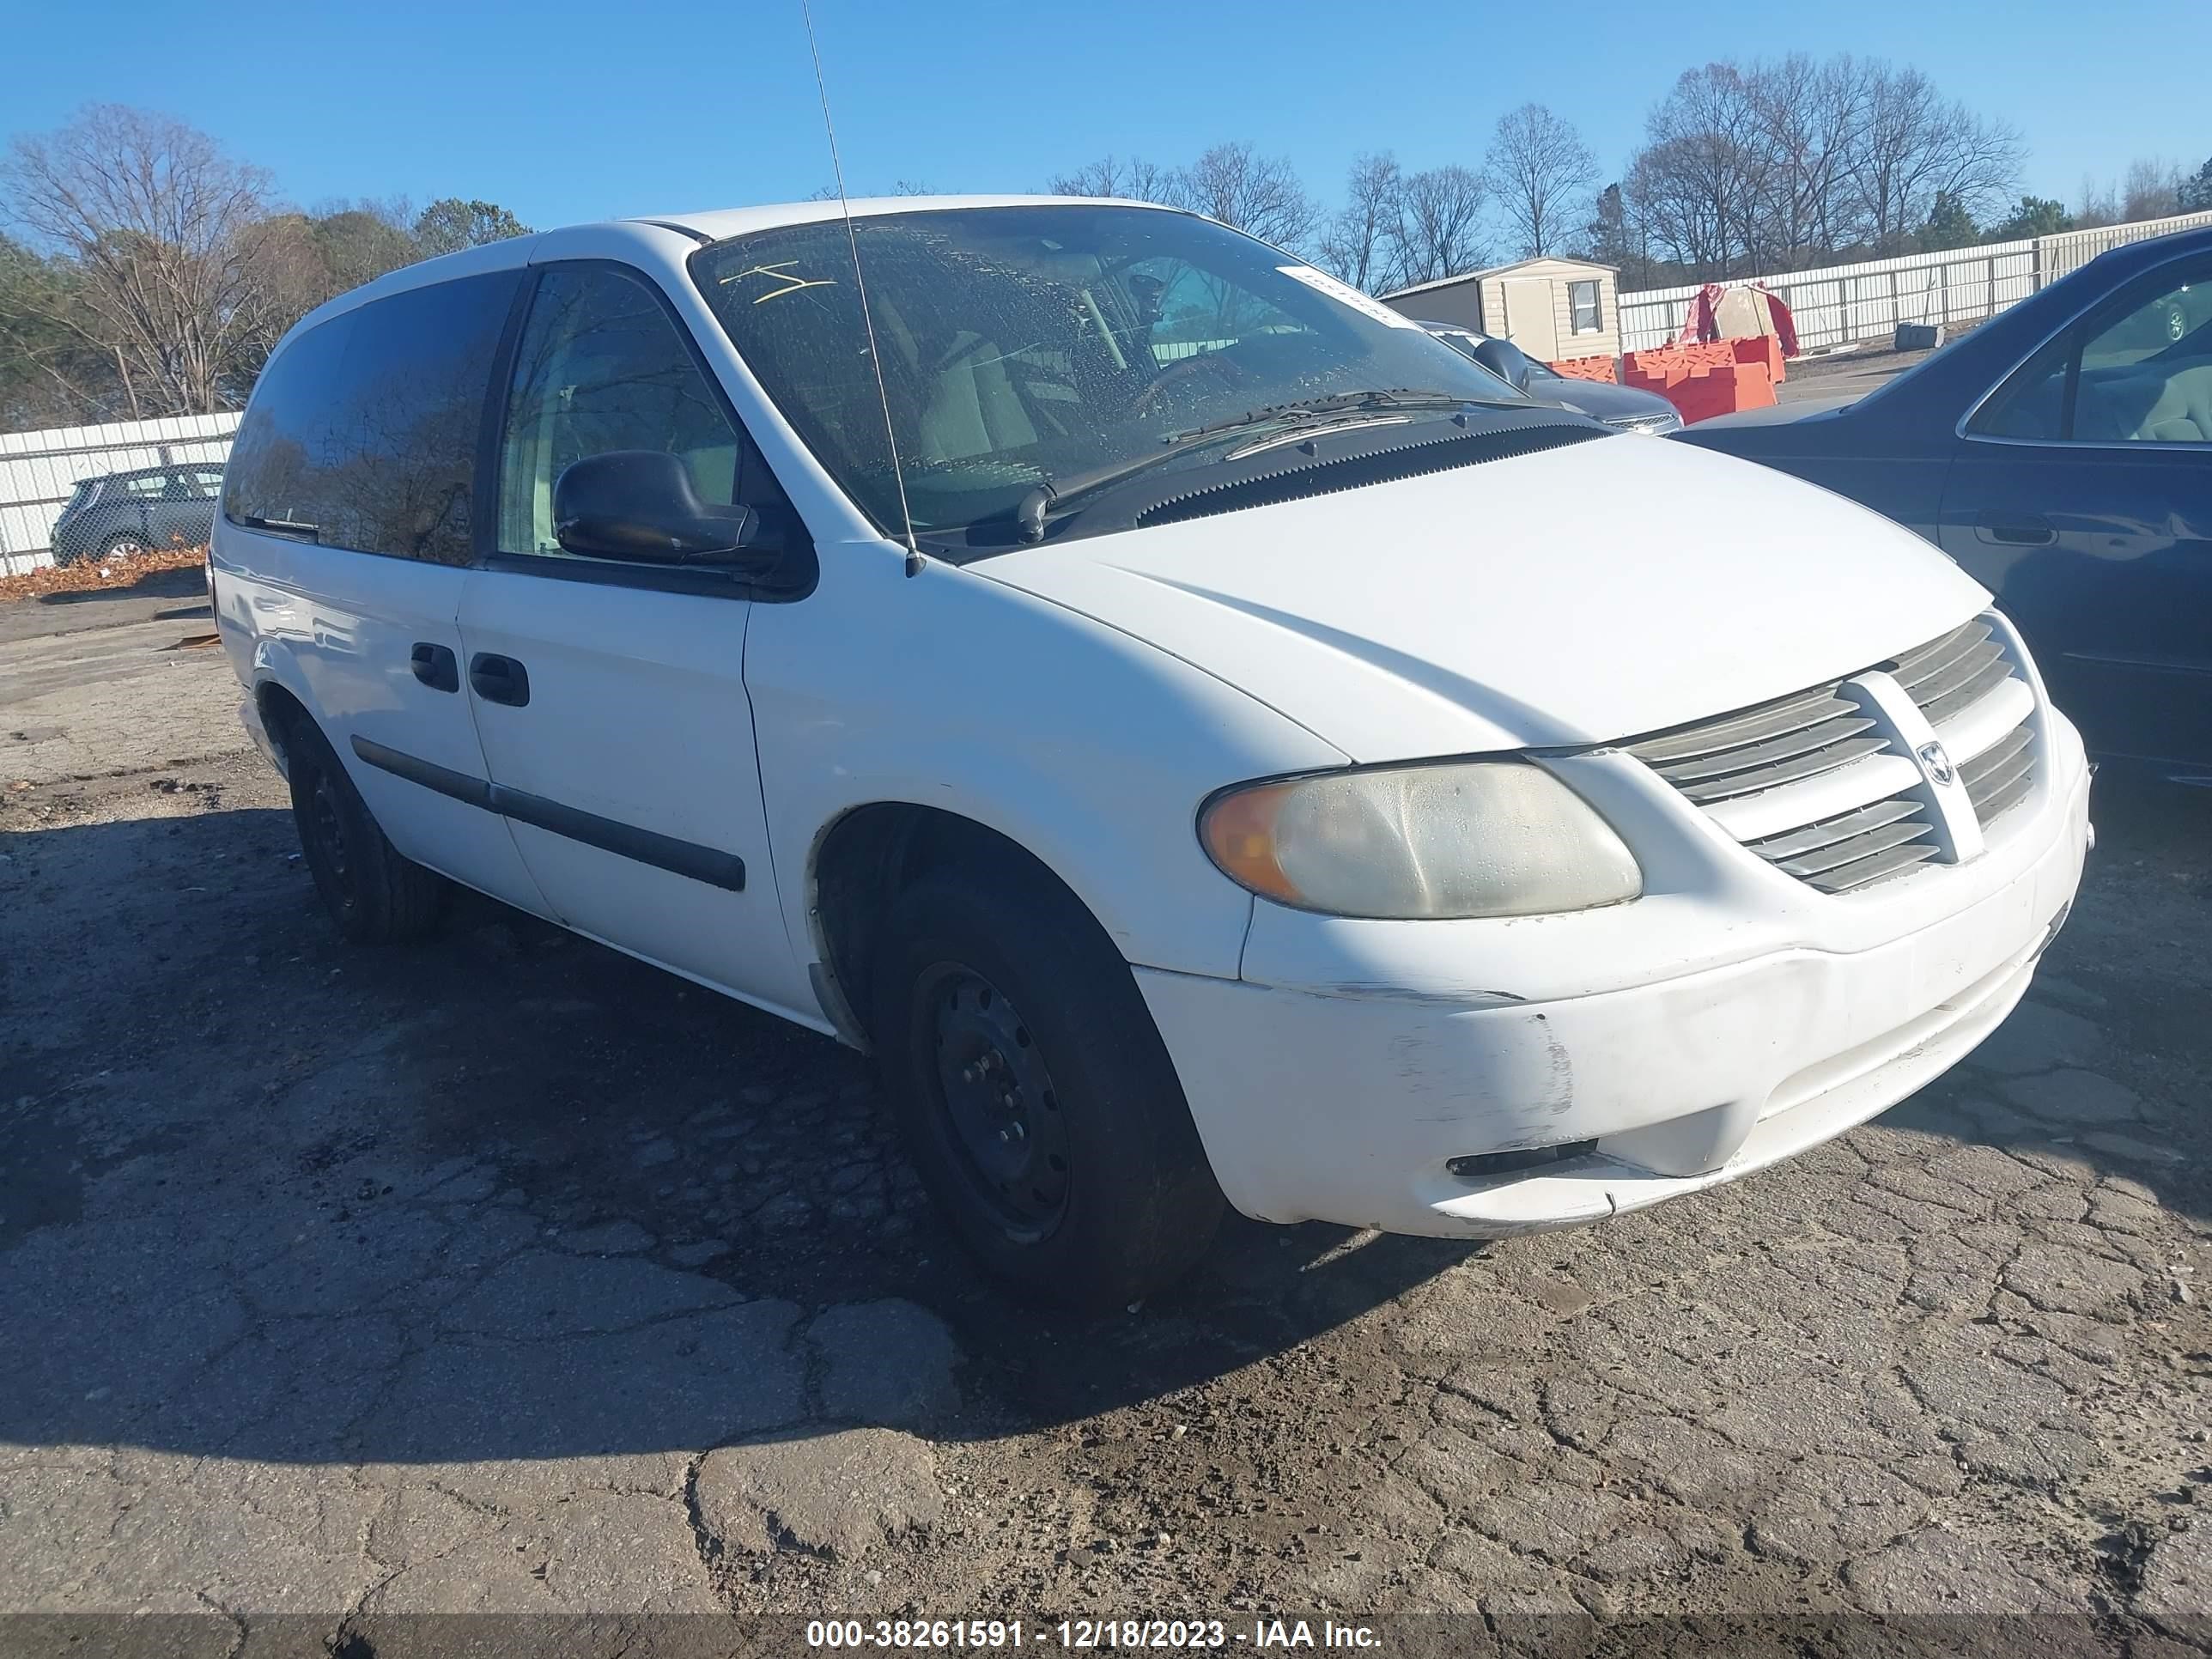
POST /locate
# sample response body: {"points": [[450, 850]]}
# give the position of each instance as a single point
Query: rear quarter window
{"points": [[362, 432]]}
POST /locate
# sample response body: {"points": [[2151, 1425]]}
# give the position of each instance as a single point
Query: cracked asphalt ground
{"points": [[509, 1275]]}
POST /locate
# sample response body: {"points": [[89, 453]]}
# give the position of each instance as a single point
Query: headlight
{"points": [[1479, 838]]}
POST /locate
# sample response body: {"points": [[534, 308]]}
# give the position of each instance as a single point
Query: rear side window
{"points": [[362, 432]]}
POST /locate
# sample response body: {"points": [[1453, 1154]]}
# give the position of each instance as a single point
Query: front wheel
{"points": [[375, 894], [128, 545], [1033, 1091]]}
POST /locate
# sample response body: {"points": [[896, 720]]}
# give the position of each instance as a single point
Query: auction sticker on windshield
{"points": [[1322, 283]]}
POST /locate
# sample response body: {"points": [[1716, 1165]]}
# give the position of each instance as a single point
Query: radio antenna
{"points": [[860, 284]]}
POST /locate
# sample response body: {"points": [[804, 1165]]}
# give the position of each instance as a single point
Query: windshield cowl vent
{"points": [[1292, 483]]}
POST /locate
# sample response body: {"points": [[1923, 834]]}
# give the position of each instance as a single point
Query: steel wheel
{"points": [[1031, 1088], [375, 896], [326, 832], [1009, 1140]]}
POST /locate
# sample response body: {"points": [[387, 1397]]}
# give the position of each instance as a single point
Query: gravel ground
{"points": [[508, 1275]]}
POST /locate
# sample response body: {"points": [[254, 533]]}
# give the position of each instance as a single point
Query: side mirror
{"points": [[639, 504], [1509, 366]]}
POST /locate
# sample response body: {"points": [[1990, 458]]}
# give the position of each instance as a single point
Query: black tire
{"points": [[1103, 1195], [124, 543], [375, 896]]}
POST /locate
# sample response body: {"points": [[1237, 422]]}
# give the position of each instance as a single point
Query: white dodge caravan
{"points": [[1161, 702]]}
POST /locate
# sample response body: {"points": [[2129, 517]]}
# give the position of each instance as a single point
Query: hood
{"points": [[1574, 596], [1608, 402], [1789, 414]]}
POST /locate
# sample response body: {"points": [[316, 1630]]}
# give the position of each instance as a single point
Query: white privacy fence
{"points": [[1839, 305], [39, 471]]}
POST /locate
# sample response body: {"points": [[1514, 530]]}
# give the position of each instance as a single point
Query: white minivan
{"points": [[1204, 740]]}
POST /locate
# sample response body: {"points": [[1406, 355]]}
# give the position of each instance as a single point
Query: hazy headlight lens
{"points": [[1484, 838]]}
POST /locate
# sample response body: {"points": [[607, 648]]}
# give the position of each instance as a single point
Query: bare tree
{"points": [[1808, 119], [2152, 189], [1917, 146], [1358, 248], [1783, 164], [1437, 231], [165, 228], [2101, 204], [1540, 172], [1696, 182], [1247, 192], [1132, 180]]}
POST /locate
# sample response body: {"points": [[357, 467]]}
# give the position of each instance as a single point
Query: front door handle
{"points": [[435, 666], [500, 679], [2015, 529]]}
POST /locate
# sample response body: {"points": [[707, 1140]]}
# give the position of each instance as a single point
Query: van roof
{"points": [[713, 225]]}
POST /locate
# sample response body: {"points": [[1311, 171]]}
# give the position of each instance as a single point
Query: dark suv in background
{"points": [[124, 513]]}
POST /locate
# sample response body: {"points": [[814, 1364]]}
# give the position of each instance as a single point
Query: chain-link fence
{"points": [[39, 472]]}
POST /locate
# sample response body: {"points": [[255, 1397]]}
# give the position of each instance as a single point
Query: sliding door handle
{"points": [[435, 667], [500, 679]]}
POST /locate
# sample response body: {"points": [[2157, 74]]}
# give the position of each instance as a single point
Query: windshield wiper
{"points": [[281, 526], [1030, 512], [1337, 402]]}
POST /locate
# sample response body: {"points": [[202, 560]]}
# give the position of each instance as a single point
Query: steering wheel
{"points": [[1187, 370]]}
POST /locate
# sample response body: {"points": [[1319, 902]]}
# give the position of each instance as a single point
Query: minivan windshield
{"points": [[1046, 345]]}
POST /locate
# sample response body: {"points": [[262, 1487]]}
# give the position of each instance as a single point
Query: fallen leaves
{"points": [[88, 575]]}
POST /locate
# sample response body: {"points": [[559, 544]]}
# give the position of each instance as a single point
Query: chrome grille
{"points": [[1795, 737], [2000, 777], [1819, 787], [1853, 848], [1952, 673]]}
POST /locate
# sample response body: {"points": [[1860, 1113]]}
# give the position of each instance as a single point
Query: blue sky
{"points": [[567, 110]]}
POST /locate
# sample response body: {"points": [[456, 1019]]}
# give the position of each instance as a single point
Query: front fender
{"points": [[1090, 750]]}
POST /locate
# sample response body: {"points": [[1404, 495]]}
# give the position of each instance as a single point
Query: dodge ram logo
{"points": [[1936, 761]]}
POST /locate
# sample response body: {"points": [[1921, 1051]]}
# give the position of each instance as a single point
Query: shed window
{"points": [[1582, 306]]}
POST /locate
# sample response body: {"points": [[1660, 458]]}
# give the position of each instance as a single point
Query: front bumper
{"points": [[1347, 1103]]}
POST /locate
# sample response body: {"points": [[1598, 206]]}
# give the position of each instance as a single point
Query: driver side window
{"points": [[601, 367], [2138, 371]]}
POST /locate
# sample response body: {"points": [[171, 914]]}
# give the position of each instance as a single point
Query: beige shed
{"points": [[1553, 309]]}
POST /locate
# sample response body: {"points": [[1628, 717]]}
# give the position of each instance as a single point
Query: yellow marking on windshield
{"points": [[780, 273]]}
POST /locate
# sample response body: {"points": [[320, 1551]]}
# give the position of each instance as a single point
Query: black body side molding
{"points": [[684, 858]]}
